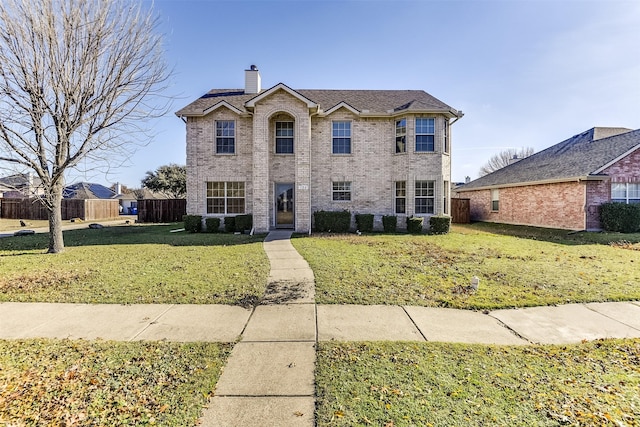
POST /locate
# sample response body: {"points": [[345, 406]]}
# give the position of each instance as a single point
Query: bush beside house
{"points": [[620, 217]]}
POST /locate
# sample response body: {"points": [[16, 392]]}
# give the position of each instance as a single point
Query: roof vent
{"points": [[252, 80]]}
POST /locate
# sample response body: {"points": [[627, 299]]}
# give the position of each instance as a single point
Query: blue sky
{"points": [[525, 73]]}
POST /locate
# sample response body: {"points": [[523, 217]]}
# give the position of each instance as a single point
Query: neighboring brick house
{"points": [[564, 185], [281, 154]]}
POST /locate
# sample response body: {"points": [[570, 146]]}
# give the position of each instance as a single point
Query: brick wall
{"points": [[204, 165], [625, 170], [373, 166], [558, 205]]}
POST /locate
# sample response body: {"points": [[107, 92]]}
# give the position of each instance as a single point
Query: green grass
{"points": [[431, 384], [135, 264], [542, 267], [100, 383]]}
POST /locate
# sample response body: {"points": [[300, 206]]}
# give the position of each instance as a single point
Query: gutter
{"points": [[529, 183]]}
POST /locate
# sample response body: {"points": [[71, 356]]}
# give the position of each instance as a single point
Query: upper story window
{"points": [[425, 197], [225, 197], [225, 137], [401, 136], [341, 190], [625, 192], [446, 135], [425, 134], [341, 137], [284, 137], [401, 197]]}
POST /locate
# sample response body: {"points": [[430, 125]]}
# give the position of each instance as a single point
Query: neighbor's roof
{"points": [[87, 190], [365, 102], [579, 157]]}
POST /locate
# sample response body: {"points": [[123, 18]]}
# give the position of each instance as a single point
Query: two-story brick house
{"points": [[281, 154]]}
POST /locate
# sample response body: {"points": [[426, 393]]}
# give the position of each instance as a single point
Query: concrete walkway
{"points": [[268, 379]]}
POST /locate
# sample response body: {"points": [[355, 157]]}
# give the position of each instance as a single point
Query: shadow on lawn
{"points": [[129, 235]]}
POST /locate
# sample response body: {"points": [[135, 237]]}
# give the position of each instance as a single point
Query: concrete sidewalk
{"points": [[269, 376], [298, 322]]}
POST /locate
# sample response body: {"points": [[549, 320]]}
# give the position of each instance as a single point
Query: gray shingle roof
{"points": [[375, 101], [87, 190], [578, 156]]}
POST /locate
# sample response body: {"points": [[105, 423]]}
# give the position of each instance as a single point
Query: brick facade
{"points": [[558, 205], [372, 167]]}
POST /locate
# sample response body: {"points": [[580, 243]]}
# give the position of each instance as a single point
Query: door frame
{"points": [[279, 187]]}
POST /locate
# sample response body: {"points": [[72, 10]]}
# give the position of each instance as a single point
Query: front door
{"points": [[285, 206]]}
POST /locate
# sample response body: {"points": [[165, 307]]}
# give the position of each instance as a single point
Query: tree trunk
{"points": [[56, 242]]}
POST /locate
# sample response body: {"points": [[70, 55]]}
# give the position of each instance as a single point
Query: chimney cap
{"points": [[253, 68]]}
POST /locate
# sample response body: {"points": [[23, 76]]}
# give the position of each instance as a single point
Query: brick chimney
{"points": [[252, 80]]}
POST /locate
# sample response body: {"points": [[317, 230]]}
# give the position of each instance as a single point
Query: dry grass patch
{"points": [[100, 383], [437, 270]]}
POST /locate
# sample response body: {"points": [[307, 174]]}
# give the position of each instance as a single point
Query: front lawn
{"points": [[100, 383], [543, 267], [135, 264], [434, 384]]}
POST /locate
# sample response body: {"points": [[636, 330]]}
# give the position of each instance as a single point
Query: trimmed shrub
{"points": [[364, 222], [332, 222], [212, 225], [192, 223], [439, 224], [389, 223], [414, 224], [230, 224], [620, 217], [244, 222]]}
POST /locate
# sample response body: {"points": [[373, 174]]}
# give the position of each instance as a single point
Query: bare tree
{"points": [[78, 81], [505, 158]]}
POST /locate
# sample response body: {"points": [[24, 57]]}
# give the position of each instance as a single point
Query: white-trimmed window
{"points": [[425, 192], [341, 137], [495, 199], [445, 209], [284, 137], [425, 134], [225, 197], [401, 196], [445, 136], [623, 192], [401, 136], [341, 190], [225, 137]]}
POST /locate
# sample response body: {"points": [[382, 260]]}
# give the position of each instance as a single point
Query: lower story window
{"points": [[401, 197], [446, 198], [625, 192], [225, 197], [341, 190], [495, 200], [425, 197]]}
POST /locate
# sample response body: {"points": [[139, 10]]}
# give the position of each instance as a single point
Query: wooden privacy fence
{"points": [[88, 209], [161, 210], [460, 211]]}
